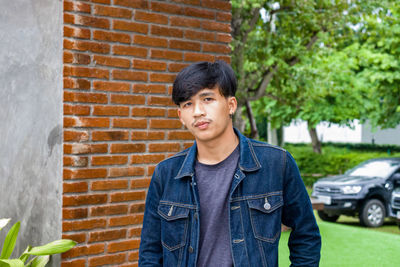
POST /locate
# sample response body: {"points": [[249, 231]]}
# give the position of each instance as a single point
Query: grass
{"points": [[348, 244]]}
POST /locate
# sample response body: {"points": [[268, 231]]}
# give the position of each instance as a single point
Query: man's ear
{"points": [[232, 102], [179, 115]]}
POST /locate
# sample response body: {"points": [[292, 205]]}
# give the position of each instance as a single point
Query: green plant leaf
{"points": [[4, 222], [55, 247], [9, 242], [40, 261], [25, 256], [11, 263]]}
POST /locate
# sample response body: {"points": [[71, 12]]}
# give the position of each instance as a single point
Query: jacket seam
{"points": [[276, 193]]}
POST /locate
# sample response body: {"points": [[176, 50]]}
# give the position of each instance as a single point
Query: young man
{"points": [[221, 202]]}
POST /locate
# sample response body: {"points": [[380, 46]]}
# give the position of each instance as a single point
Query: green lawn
{"points": [[353, 246]]}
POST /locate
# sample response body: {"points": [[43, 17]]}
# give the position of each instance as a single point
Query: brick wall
{"points": [[120, 58]]}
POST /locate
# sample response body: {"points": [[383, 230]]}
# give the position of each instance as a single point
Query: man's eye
{"points": [[207, 99], [187, 104]]}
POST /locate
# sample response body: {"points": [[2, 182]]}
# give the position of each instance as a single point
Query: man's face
{"points": [[206, 114]]}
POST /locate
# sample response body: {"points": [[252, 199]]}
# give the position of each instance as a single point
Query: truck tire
{"points": [[326, 217], [372, 213]]}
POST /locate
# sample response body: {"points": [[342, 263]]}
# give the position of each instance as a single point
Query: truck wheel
{"points": [[372, 213], [326, 217]]}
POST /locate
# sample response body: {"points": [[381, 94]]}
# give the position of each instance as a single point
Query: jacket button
{"points": [[190, 249]]}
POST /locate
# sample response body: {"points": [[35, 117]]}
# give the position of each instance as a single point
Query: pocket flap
{"points": [[171, 212], [266, 204]]}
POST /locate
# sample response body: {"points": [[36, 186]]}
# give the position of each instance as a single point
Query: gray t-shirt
{"points": [[214, 182]]}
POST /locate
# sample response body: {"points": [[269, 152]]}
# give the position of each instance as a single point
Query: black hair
{"points": [[201, 75]]}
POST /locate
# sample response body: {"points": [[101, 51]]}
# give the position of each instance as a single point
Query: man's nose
{"points": [[198, 110]]}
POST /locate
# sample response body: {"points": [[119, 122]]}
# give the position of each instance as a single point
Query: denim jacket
{"points": [[266, 190]]}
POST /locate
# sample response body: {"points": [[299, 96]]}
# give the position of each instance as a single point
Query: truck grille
{"points": [[396, 202], [326, 190]]}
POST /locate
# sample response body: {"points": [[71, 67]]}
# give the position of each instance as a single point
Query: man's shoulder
{"points": [[265, 145], [178, 157]]}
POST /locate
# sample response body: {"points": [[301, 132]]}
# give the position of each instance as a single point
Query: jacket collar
{"points": [[247, 160]]}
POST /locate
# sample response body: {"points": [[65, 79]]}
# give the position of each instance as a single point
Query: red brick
{"points": [[185, 22], [111, 86], [216, 48], [176, 67], [167, 8], [87, 21], [79, 213], [126, 220], [79, 200], [112, 12], [166, 31], [132, 3], [85, 97], [109, 160], [130, 26], [106, 2], [160, 101], [148, 112], [217, 4], [123, 245], [127, 148], [129, 75], [216, 26], [76, 32], [110, 111], [76, 83], [107, 235], [73, 263], [78, 187], [84, 173], [85, 148], [224, 16], [173, 113], [150, 170], [149, 88], [162, 77], [129, 51], [111, 36], [224, 38], [76, 7], [128, 196], [135, 232], [110, 135], [86, 122], [187, 145], [195, 57], [75, 161], [149, 65], [128, 99], [199, 12], [165, 124], [146, 159], [76, 58], [150, 41], [136, 135], [133, 256], [86, 72], [130, 171], [109, 210], [180, 135], [130, 123], [108, 259], [151, 17], [184, 45], [86, 46], [188, 2], [84, 250], [112, 61], [140, 183], [76, 110], [76, 136], [109, 185], [227, 58], [198, 35], [164, 147], [78, 238], [165, 54]]}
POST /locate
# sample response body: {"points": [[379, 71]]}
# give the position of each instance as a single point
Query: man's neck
{"points": [[215, 151]]}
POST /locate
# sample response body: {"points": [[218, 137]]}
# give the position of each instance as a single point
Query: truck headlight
{"points": [[351, 189]]}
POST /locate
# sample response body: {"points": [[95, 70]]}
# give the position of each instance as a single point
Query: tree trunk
{"points": [[272, 135], [238, 121], [316, 144], [253, 125]]}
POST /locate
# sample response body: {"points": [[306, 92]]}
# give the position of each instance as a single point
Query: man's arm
{"points": [[305, 239], [150, 251]]}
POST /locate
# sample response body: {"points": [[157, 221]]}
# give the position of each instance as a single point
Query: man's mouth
{"points": [[202, 124]]}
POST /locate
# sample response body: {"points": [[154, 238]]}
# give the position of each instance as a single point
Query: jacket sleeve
{"points": [[150, 251], [305, 239]]}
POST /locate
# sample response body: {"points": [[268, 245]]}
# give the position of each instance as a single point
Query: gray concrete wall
{"points": [[386, 136], [31, 119]]}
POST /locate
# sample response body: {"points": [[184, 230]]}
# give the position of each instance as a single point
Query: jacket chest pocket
{"points": [[265, 216], [174, 225]]}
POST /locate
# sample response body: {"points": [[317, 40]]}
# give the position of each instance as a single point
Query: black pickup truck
{"points": [[371, 191]]}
